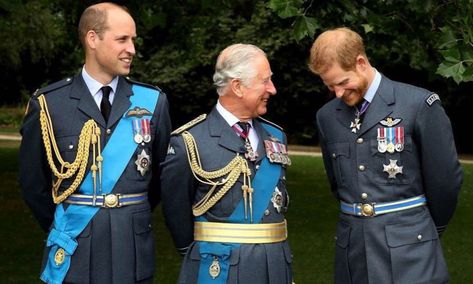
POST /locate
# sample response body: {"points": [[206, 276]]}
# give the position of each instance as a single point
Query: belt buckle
{"points": [[367, 209], [111, 200]]}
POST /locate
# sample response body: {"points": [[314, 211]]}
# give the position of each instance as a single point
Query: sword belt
{"points": [[112, 200], [374, 209], [240, 233]]}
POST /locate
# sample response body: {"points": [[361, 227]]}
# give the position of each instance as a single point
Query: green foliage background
{"points": [[427, 43]]}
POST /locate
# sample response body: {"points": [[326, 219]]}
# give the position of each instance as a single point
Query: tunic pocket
{"points": [[415, 251], [144, 245], [342, 240], [340, 154]]}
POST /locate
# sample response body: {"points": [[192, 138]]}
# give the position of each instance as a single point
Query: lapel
{"points": [[262, 135], [86, 103], [218, 127], [381, 106], [345, 114], [121, 102]]}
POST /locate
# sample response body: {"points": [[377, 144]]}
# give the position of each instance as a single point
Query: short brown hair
{"points": [[95, 18], [340, 45]]}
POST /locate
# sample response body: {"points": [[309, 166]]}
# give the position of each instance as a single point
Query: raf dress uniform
{"points": [[103, 176], [224, 204], [395, 171]]}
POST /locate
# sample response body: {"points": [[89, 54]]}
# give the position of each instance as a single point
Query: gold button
{"points": [[108, 131], [364, 195], [359, 140], [419, 237], [361, 168]]}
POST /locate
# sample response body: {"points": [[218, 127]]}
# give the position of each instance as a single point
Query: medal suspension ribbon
{"points": [[90, 135]]}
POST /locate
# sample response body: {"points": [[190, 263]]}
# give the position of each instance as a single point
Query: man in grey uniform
{"points": [[223, 181], [95, 142], [391, 161]]}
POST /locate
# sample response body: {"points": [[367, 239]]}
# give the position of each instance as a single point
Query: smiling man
{"points": [[89, 160], [223, 181], [390, 157]]}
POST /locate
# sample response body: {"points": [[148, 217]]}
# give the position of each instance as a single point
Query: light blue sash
{"points": [[264, 183], [69, 223]]}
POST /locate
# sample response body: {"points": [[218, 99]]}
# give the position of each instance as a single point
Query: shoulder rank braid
{"points": [[231, 171], [190, 124], [90, 135]]}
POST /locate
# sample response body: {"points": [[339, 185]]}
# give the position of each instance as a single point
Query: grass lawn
{"points": [[311, 217]]}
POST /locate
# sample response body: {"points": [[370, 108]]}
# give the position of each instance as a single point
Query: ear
{"points": [[235, 85], [91, 39], [361, 63]]}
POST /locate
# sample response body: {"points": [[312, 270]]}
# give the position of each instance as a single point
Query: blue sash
{"points": [[264, 183], [70, 222]]}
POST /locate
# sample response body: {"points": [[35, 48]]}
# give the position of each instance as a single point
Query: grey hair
{"points": [[235, 62]]}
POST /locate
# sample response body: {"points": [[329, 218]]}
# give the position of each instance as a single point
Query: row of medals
{"points": [[142, 135]]}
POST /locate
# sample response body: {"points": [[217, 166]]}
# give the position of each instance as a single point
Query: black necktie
{"points": [[105, 105]]}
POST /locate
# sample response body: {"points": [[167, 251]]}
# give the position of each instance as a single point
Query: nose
{"points": [[338, 91], [270, 88], [131, 48]]}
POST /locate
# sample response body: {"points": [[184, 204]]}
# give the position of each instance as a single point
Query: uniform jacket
{"points": [[217, 144], [117, 246], [404, 246]]}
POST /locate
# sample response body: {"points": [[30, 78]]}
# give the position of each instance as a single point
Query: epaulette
{"points": [[432, 98], [52, 87], [190, 124], [143, 84], [272, 123]]}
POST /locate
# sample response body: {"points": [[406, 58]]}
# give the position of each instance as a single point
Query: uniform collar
{"points": [[94, 85], [229, 117]]}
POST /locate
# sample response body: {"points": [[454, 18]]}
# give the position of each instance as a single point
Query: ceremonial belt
{"points": [[373, 209], [240, 233], [107, 200]]}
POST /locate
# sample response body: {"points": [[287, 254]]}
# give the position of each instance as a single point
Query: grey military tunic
{"points": [[218, 144], [403, 246], [117, 246]]}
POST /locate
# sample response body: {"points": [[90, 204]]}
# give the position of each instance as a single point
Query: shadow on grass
{"points": [[311, 220]]}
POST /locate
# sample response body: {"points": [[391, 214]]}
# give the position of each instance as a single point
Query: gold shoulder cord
{"points": [[90, 134], [232, 170]]}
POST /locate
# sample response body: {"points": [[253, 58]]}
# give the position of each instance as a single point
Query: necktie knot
{"points": [[361, 108], [105, 105], [245, 126], [106, 91]]}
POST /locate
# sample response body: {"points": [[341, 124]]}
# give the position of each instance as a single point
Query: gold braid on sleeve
{"points": [[90, 135], [229, 175]]}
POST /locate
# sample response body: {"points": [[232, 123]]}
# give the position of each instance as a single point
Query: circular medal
{"points": [[399, 147], [146, 138], [390, 148], [138, 138], [382, 147]]}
